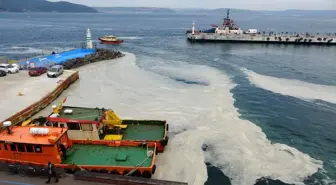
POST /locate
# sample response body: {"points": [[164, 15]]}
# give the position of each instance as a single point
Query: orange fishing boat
{"points": [[36, 146], [110, 39]]}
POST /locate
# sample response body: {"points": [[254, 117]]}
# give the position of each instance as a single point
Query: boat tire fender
{"points": [[103, 171], [146, 174], [114, 172], [164, 142], [125, 172], [94, 170], [167, 128], [154, 168], [136, 173]]}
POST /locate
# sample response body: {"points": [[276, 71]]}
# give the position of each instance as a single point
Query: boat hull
{"points": [[111, 42], [114, 157]]}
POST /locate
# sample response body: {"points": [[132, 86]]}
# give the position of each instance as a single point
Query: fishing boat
{"points": [[103, 124], [36, 146], [110, 39]]}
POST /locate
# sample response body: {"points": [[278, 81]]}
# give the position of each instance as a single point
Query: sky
{"points": [[241, 4]]}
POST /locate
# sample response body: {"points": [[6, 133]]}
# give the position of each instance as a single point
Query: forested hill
{"points": [[43, 6]]}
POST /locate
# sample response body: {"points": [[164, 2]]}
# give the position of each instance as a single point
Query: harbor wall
{"points": [[43, 102], [57, 59], [261, 38]]}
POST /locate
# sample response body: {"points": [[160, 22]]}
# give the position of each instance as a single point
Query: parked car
{"points": [[16, 65], [2, 73], [3, 68], [9, 68], [37, 71], [55, 71], [13, 68]]}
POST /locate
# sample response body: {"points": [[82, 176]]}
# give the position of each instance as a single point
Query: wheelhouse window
{"points": [[5, 147], [13, 147], [38, 148], [73, 126], [29, 148], [62, 125], [21, 148], [87, 127]]}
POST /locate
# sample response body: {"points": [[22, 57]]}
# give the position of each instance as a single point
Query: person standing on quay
{"points": [[51, 172]]}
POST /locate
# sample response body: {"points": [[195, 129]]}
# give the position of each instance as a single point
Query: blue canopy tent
{"points": [[57, 59]]}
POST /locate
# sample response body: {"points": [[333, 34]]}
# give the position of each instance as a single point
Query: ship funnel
{"points": [[89, 44], [7, 124]]}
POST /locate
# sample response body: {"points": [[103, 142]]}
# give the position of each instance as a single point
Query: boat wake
{"points": [[198, 115], [295, 88]]}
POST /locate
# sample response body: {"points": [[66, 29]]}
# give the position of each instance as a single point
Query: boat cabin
{"points": [[110, 38], [33, 144], [82, 123]]}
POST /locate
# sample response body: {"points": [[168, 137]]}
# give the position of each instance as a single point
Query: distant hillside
{"points": [[222, 11], [133, 10], [43, 6]]}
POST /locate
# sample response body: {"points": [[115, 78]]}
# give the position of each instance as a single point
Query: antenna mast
{"points": [[228, 14]]}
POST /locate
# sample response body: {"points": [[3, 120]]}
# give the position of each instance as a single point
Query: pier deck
{"points": [[262, 38], [33, 90], [82, 179]]}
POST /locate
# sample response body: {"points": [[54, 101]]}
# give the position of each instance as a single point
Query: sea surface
{"points": [[237, 112]]}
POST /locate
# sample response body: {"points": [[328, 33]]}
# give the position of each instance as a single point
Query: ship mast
{"points": [[228, 14], [227, 21]]}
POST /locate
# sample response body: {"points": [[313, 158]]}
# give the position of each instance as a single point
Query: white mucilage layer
{"points": [[197, 114]]}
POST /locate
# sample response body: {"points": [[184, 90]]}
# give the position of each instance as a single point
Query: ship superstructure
{"points": [[230, 32]]}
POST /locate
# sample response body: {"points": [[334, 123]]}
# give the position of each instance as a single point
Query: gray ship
{"points": [[230, 32]]}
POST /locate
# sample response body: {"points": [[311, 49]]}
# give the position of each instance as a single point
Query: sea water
{"points": [[237, 112]]}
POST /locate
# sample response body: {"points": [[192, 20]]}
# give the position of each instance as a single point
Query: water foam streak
{"points": [[290, 87]]}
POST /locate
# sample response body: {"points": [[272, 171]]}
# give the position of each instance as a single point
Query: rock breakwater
{"points": [[100, 55]]}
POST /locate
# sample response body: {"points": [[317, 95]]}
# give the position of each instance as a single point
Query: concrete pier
{"points": [[262, 38], [23, 96]]}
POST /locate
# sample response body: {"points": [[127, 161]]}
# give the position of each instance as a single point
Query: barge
{"points": [[36, 146], [103, 124], [231, 33]]}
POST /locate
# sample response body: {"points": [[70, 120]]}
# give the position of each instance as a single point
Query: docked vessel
{"points": [[110, 39], [232, 33], [103, 124], [34, 147]]}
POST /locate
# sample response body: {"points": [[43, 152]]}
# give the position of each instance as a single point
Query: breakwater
{"points": [[99, 55]]}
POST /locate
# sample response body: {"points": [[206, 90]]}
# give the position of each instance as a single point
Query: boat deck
{"points": [[33, 89], [144, 132], [82, 113], [101, 155], [136, 129]]}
